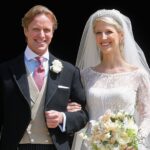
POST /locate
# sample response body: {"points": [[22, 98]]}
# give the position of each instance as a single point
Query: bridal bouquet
{"points": [[113, 131]]}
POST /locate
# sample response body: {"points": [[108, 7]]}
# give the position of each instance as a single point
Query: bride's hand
{"points": [[73, 106], [130, 148]]}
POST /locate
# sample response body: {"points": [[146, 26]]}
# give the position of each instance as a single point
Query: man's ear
{"points": [[25, 31]]}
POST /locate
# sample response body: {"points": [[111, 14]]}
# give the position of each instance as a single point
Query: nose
{"points": [[41, 33], [104, 35]]}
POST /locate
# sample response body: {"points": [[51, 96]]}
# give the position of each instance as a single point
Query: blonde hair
{"points": [[37, 10]]}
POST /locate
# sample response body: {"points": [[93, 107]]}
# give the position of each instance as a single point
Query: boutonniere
{"points": [[56, 66]]}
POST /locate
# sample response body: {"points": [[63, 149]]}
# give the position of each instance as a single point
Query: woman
{"points": [[114, 71]]}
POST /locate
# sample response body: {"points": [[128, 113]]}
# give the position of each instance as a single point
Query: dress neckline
{"points": [[116, 73]]}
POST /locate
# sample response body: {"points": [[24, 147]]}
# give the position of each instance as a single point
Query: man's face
{"points": [[39, 34]]}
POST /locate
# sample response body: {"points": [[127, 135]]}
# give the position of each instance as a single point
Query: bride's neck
{"points": [[111, 63]]}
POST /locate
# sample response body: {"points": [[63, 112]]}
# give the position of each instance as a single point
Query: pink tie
{"points": [[39, 73]]}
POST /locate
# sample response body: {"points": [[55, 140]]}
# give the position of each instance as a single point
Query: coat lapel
{"points": [[52, 82], [20, 76]]}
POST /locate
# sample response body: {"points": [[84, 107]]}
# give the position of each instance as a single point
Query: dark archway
{"points": [[71, 18]]}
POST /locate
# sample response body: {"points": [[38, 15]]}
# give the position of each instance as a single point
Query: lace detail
{"points": [[128, 91]]}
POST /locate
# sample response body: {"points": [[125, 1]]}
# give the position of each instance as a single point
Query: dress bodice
{"points": [[110, 91]]}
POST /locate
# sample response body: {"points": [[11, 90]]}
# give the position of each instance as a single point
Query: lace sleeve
{"points": [[143, 105]]}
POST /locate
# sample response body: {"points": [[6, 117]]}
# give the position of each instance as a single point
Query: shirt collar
{"points": [[29, 54]]}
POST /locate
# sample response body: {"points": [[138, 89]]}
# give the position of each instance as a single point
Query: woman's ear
{"points": [[121, 37]]}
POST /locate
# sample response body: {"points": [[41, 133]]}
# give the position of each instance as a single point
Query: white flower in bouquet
{"points": [[113, 131]]}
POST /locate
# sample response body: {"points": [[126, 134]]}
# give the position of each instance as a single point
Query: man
{"points": [[35, 89]]}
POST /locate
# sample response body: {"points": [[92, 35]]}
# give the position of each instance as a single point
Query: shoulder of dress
{"points": [[143, 75]]}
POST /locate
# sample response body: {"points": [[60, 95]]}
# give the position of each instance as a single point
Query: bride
{"points": [[114, 72]]}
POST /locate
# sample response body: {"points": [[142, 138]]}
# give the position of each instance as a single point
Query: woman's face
{"points": [[107, 37]]}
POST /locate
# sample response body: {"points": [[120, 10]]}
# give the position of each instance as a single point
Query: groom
{"points": [[34, 91]]}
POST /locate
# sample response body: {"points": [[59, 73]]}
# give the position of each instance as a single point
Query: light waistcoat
{"points": [[37, 131]]}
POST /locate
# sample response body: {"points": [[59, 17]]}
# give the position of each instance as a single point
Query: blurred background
{"points": [[71, 16]]}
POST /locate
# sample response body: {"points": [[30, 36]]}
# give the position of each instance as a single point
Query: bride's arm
{"points": [[73, 106], [143, 105]]}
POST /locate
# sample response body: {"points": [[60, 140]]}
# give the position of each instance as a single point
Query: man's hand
{"points": [[53, 118]]}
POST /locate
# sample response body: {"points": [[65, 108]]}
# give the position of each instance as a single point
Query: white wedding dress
{"points": [[128, 91]]}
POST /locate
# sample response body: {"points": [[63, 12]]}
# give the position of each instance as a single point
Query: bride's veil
{"points": [[88, 54]]}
